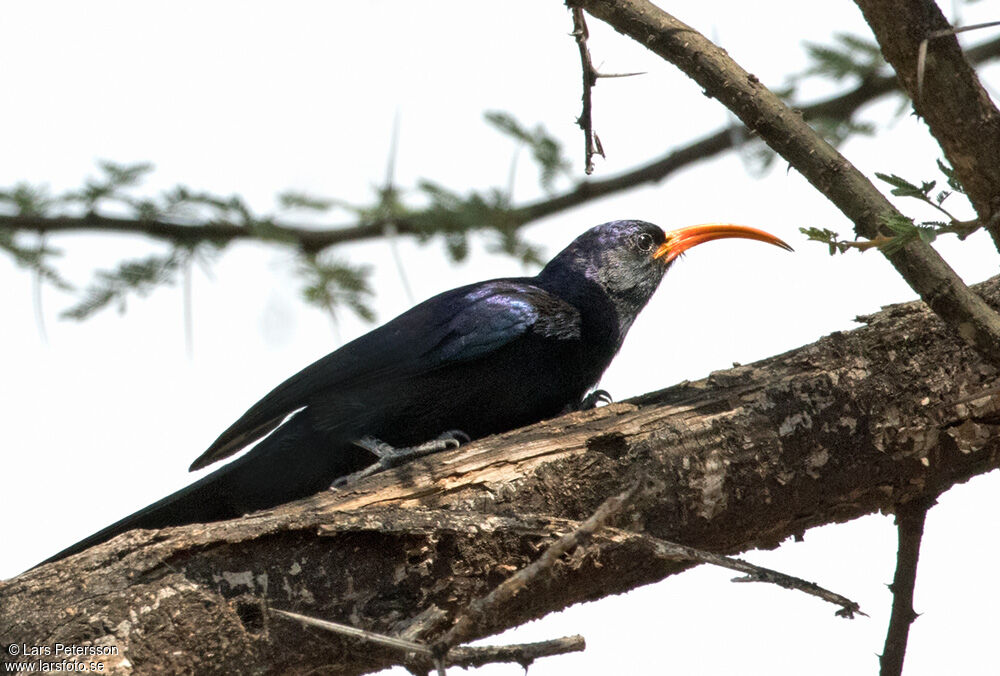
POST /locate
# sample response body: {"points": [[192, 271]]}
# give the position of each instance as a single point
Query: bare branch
{"points": [[468, 623], [675, 552], [910, 519], [459, 656], [590, 76], [521, 653]]}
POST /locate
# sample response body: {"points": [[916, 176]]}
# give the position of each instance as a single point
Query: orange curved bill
{"points": [[682, 239]]}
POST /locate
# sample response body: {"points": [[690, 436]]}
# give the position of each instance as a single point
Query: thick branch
{"points": [[829, 172], [957, 108], [317, 238], [855, 423]]}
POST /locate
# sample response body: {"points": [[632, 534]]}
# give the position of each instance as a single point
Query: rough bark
{"points": [[857, 422]]}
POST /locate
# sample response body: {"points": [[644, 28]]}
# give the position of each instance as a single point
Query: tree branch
{"points": [[910, 517], [470, 619], [957, 109], [317, 238], [856, 423], [591, 144], [459, 656], [828, 171]]}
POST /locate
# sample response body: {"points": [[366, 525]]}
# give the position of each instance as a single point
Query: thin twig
{"points": [[369, 636], [36, 294], [460, 656], [675, 552], [910, 519], [388, 197], [522, 653], [468, 621], [188, 308], [591, 144]]}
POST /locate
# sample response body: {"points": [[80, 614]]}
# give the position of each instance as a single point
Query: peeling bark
{"points": [[857, 422]]}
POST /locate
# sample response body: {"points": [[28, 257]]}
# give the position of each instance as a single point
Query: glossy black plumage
{"points": [[484, 358]]}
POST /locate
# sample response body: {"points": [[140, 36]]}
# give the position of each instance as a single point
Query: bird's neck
{"points": [[603, 323]]}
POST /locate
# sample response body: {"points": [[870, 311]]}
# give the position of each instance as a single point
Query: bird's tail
{"points": [[292, 463]]}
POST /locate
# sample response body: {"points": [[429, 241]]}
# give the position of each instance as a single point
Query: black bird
{"points": [[483, 359]]}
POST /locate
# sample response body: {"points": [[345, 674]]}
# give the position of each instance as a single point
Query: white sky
{"points": [[255, 98]]}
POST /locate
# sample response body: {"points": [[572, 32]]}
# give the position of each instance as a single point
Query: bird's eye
{"points": [[645, 242]]}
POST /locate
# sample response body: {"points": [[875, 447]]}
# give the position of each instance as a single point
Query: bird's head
{"points": [[627, 259]]}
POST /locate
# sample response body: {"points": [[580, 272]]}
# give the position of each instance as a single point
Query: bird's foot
{"points": [[390, 456], [593, 399]]}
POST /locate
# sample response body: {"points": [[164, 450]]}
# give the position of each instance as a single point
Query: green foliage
{"points": [[328, 284], [545, 149], [904, 188], [183, 202], [953, 181], [124, 175], [512, 244], [335, 283], [826, 236], [27, 200], [903, 228], [110, 186], [291, 199], [139, 276], [37, 258], [759, 157], [836, 131], [849, 56]]}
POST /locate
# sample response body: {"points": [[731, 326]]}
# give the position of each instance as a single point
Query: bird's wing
{"points": [[496, 313], [456, 326]]}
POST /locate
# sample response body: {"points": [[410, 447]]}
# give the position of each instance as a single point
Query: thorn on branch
{"points": [[910, 519], [922, 50], [591, 144], [610, 75]]}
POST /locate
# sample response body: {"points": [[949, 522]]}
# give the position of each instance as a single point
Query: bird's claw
{"points": [[593, 399], [390, 456], [454, 437]]}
